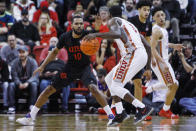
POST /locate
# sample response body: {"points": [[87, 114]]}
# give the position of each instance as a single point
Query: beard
{"points": [[78, 32], [129, 8]]}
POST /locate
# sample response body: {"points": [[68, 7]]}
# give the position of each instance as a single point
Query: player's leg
{"points": [[138, 88], [133, 65], [168, 78], [57, 83], [90, 81]]}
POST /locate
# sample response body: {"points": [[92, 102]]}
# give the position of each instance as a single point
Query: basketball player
{"points": [[77, 68], [162, 67], [145, 28], [133, 59]]}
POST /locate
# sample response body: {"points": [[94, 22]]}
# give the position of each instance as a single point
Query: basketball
{"points": [[89, 47]]}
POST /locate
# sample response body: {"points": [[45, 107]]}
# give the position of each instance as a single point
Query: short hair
{"points": [[76, 16], [143, 3], [116, 11], [156, 9], [103, 8]]}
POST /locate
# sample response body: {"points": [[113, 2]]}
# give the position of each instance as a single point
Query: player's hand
{"points": [[148, 75], [180, 54], [38, 70], [89, 37], [178, 47]]}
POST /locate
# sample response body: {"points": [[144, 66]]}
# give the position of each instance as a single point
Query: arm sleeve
{"points": [[15, 74], [33, 68]]}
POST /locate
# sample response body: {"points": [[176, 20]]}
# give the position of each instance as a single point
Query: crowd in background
{"points": [[30, 25]]}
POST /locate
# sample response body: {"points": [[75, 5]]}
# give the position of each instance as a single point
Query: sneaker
{"points": [[119, 118], [11, 110], [148, 118], [168, 114], [142, 113], [110, 117], [26, 121]]}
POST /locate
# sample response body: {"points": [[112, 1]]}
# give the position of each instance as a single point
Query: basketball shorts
{"points": [[127, 68], [65, 77], [166, 78]]}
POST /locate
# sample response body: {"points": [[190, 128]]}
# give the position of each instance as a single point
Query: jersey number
{"points": [[77, 56]]}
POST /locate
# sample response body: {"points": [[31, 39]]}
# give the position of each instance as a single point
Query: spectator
{"points": [[22, 70], [20, 5], [62, 55], [9, 52], [6, 21], [49, 72], [4, 78], [129, 9], [44, 9], [25, 32], [45, 28], [173, 7]]}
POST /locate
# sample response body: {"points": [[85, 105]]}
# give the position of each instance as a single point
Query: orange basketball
{"points": [[89, 47]]}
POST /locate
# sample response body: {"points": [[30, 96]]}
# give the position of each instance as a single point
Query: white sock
{"points": [[119, 107], [34, 112], [108, 110], [138, 103], [165, 107]]}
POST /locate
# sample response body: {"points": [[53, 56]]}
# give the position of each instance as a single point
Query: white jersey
{"points": [[163, 43], [133, 35]]}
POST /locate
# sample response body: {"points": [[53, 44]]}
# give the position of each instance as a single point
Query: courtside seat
{"points": [[37, 52]]}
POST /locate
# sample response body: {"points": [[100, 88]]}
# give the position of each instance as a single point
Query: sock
{"points": [[34, 112], [108, 112], [165, 107], [138, 103], [119, 107]]}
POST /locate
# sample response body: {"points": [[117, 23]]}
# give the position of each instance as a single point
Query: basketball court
{"points": [[94, 122]]}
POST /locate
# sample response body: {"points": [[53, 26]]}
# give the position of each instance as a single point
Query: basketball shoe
{"points": [[119, 118], [168, 114], [26, 121], [110, 117], [142, 113]]}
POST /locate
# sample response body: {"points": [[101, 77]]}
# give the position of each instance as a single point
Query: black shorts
{"points": [[65, 77]]}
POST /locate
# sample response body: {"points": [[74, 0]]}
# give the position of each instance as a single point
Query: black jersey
{"points": [[77, 60], [144, 28]]}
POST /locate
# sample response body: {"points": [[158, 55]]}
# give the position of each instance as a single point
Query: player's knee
{"points": [[49, 90], [93, 88], [116, 99]]}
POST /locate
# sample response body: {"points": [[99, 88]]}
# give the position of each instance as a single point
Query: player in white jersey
{"points": [[161, 65], [133, 59]]}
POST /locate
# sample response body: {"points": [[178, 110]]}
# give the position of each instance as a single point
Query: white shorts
{"points": [[166, 78], [126, 69]]}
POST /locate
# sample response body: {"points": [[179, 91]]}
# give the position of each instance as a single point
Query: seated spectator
{"points": [[4, 78], [44, 9], [129, 9], [62, 55], [45, 28], [9, 52], [25, 32], [173, 7], [20, 5], [49, 72], [6, 21], [22, 70]]}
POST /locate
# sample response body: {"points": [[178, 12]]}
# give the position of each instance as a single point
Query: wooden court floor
{"points": [[94, 122]]}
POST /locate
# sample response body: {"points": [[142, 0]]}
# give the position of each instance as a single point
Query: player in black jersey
{"points": [[145, 29], [77, 67]]}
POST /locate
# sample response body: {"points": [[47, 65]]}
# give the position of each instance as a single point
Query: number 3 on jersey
{"points": [[77, 56]]}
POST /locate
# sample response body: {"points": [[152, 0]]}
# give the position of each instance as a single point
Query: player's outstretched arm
{"points": [[114, 33], [177, 47], [51, 56]]}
